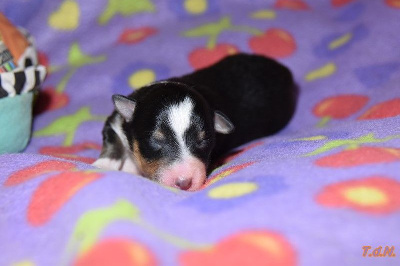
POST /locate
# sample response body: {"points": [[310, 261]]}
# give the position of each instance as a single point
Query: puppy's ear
{"points": [[222, 124], [124, 106]]}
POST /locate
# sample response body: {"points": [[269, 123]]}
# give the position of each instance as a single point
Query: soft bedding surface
{"points": [[317, 193]]}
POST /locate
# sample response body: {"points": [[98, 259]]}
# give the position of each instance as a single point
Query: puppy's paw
{"points": [[107, 163], [126, 165], [130, 167]]}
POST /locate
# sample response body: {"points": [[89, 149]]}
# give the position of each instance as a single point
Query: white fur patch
{"points": [[130, 167], [107, 163], [116, 125], [179, 120], [112, 164]]}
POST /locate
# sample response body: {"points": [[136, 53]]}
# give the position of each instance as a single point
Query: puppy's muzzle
{"points": [[188, 174]]}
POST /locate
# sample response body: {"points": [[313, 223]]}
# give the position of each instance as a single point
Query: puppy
{"points": [[172, 131]]}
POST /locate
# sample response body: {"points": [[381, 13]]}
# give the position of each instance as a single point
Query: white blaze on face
{"points": [[188, 172], [179, 120]]}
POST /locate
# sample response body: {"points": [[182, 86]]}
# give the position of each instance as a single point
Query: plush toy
{"points": [[20, 75]]}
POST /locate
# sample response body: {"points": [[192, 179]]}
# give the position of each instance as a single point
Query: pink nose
{"points": [[188, 174], [183, 183]]}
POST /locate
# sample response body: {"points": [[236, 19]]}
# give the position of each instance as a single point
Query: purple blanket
{"points": [[324, 191]]}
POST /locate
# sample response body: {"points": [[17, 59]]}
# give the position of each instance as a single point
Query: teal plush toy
{"points": [[15, 122], [20, 76]]}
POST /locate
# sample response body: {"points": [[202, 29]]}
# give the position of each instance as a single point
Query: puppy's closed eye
{"points": [[157, 140], [159, 135], [202, 140]]}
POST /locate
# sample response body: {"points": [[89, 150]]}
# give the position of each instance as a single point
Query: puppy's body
{"points": [[171, 130], [257, 94]]}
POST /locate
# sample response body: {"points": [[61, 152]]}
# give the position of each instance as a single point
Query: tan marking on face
{"points": [[158, 135], [149, 169], [202, 135]]}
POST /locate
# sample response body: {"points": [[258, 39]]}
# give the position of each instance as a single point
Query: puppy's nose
{"points": [[183, 183]]}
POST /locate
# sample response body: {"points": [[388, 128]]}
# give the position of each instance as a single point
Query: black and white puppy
{"points": [[172, 131]]}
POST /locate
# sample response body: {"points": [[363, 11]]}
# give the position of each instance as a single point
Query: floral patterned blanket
{"points": [[324, 191]]}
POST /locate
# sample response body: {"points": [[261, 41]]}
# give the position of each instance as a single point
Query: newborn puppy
{"points": [[171, 131]]}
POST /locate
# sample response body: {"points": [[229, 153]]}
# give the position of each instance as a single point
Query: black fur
{"points": [[256, 93]]}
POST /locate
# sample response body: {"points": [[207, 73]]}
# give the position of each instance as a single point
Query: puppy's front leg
{"points": [[115, 152]]}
